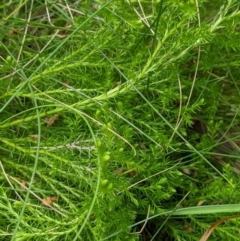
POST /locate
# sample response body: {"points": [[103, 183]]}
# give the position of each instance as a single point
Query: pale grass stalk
{"points": [[36, 196]]}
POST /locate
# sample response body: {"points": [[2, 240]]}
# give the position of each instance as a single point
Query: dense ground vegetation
{"points": [[119, 120]]}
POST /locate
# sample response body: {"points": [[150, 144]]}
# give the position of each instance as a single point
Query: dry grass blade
{"points": [[214, 226]]}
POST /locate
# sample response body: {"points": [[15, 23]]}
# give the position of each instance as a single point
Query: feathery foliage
{"points": [[119, 114]]}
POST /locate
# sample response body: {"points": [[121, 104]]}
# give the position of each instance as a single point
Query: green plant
{"points": [[99, 100]]}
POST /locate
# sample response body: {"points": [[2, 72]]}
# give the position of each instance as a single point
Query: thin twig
{"points": [[69, 10], [156, 174], [144, 18], [6, 176], [24, 35], [48, 15], [145, 223], [36, 196], [179, 111], [198, 58]]}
